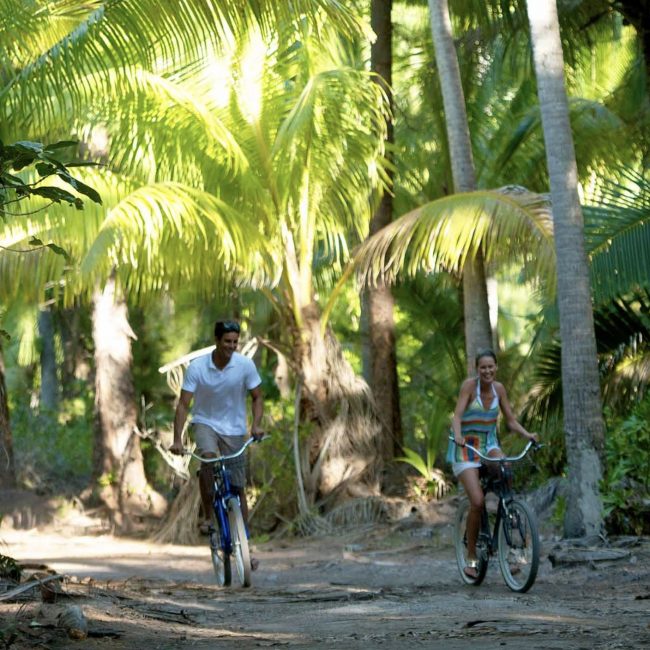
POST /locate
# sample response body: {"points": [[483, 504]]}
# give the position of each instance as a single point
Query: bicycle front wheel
{"points": [[460, 546], [220, 560], [240, 551], [518, 546]]}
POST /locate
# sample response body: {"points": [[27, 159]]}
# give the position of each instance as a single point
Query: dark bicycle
{"points": [[227, 533], [511, 532]]}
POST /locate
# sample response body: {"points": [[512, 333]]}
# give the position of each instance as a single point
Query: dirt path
{"points": [[394, 586]]}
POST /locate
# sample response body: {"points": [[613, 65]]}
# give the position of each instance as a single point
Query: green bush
{"points": [[626, 486], [53, 453]]}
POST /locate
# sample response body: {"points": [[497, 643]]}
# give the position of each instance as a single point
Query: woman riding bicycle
{"points": [[475, 422]]}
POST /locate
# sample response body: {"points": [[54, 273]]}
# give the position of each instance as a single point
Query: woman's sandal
{"points": [[471, 569]]}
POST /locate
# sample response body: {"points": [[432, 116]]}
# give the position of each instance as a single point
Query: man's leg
{"points": [[206, 487], [207, 446]]}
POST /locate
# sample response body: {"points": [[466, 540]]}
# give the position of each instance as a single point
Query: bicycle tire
{"points": [[240, 550], [518, 550], [220, 559], [460, 546]]}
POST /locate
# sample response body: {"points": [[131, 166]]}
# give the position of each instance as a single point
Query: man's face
{"points": [[227, 344]]}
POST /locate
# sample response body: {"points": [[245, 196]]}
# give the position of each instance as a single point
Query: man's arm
{"points": [[182, 411], [258, 411]]}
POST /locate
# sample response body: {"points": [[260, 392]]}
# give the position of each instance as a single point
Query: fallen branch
{"points": [[27, 586]]}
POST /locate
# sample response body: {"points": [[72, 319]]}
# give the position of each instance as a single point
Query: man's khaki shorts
{"points": [[209, 441]]}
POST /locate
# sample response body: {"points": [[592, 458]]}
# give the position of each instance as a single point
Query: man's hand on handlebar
{"points": [[257, 433], [177, 448]]}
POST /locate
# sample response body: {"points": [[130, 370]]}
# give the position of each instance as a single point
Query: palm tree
{"points": [[288, 147], [478, 331], [380, 364], [583, 423]]}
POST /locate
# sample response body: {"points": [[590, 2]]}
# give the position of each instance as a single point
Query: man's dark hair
{"points": [[222, 327], [484, 353]]}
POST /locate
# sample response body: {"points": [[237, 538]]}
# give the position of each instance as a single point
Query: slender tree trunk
{"points": [[76, 363], [7, 467], [378, 302], [583, 423], [118, 458], [49, 396], [478, 332]]}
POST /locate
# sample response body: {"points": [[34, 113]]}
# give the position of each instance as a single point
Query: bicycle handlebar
{"points": [[220, 459], [502, 459]]}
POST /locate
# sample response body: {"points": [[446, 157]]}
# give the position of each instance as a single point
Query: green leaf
{"points": [[82, 188], [56, 194], [59, 251], [10, 180], [55, 248], [60, 145]]}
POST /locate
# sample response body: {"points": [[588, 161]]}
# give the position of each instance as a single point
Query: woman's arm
{"points": [[464, 397]]}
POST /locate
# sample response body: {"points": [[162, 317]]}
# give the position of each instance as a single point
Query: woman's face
{"points": [[487, 369]]}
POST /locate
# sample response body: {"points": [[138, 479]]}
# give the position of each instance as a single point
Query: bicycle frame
{"points": [[514, 528], [223, 493], [498, 485]]}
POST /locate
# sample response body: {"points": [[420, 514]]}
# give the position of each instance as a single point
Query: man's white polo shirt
{"points": [[220, 395]]}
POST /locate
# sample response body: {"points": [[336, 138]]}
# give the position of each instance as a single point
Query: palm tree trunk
{"points": [[7, 467], [119, 467], [49, 395], [583, 423], [343, 455], [478, 332], [378, 302]]}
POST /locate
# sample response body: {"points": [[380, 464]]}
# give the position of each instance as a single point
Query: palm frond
{"points": [[441, 234], [617, 233], [167, 235]]}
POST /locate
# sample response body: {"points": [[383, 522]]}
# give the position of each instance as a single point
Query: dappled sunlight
{"points": [[251, 74]]}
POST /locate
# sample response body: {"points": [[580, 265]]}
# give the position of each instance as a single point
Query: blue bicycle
{"points": [[227, 533]]}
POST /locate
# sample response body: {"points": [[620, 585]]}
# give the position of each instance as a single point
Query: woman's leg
{"points": [[470, 481]]}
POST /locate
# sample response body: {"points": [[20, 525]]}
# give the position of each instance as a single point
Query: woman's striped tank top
{"points": [[478, 426]]}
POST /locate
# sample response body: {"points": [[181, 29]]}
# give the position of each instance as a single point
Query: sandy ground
{"points": [[393, 585]]}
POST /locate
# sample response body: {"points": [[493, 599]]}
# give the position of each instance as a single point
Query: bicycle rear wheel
{"points": [[518, 546], [240, 551], [460, 546], [220, 560]]}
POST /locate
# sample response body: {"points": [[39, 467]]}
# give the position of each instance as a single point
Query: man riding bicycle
{"points": [[219, 383]]}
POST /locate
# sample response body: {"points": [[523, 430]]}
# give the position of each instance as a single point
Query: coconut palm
{"points": [[583, 423], [478, 331], [378, 303], [286, 149]]}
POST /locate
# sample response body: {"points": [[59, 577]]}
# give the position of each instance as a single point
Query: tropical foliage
{"points": [[239, 155]]}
